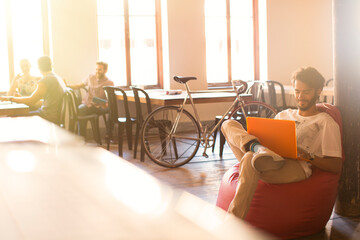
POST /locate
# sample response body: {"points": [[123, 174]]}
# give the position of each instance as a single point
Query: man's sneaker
{"points": [[265, 160]]}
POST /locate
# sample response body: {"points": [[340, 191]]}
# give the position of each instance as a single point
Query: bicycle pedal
{"points": [[205, 155]]}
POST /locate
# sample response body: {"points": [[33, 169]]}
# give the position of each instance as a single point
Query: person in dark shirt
{"points": [[50, 88]]}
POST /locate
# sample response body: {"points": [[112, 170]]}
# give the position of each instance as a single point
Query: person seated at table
{"points": [[24, 84], [94, 101], [318, 140], [50, 88]]}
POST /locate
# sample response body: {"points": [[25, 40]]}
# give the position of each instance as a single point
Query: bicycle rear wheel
{"points": [[252, 109], [170, 148]]}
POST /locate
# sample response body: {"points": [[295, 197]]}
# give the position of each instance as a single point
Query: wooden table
{"points": [[11, 109], [159, 97], [82, 192]]}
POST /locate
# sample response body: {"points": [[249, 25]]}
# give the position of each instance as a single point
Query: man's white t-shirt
{"points": [[318, 134]]}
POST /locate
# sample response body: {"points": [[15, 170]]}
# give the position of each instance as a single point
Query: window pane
{"points": [[215, 8], [242, 50], [110, 7], [143, 51], [243, 8], [4, 66], [142, 36], [216, 41], [27, 32], [112, 47], [242, 40], [141, 7]]}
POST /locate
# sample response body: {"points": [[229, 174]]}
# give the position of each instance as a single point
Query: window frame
{"points": [[256, 45], [9, 34], [158, 44]]}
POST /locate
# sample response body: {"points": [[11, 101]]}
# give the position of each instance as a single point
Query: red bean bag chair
{"points": [[288, 210]]}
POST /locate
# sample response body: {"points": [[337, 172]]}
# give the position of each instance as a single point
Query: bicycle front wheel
{"points": [[252, 109], [170, 138]]}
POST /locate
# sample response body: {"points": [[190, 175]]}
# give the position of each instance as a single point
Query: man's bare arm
{"points": [[38, 94], [330, 164]]}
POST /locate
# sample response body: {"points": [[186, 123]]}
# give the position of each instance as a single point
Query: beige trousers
{"points": [[237, 138]]}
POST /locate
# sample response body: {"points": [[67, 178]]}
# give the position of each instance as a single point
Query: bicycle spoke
{"points": [[175, 159], [171, 136]]}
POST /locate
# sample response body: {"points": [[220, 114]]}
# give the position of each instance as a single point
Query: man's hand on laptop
{"points": [[304, 155]]}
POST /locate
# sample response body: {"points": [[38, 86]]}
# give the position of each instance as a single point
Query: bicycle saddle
{"points": [[181, 79]]}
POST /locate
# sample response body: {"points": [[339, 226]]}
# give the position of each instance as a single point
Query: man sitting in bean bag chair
{"points": [[318, 141]]}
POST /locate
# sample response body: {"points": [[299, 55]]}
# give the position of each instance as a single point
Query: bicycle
{"points": [[171, 135]]}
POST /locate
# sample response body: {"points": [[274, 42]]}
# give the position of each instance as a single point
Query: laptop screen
{"points": [[275, 134]]}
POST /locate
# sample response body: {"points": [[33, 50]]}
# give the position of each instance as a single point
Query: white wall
{"points": [[74, 38], [299, 34], [187, 53]]}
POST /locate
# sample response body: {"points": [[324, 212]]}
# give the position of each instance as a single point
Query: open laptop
{"points": [[275, 134]]}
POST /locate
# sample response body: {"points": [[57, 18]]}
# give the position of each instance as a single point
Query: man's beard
{"points": [[311, 103], [99, 76]]}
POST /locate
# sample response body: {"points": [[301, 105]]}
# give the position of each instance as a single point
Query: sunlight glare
{"points": [[21, 161], [4, 66], [204, 215], [142, 7], [134, 188], [27, 32], [110, 7]]}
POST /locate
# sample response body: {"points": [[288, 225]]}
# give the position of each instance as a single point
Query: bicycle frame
{"points": [[205, 134]]}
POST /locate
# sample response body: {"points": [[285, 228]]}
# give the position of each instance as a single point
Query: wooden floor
{"points": [[202, 176]]}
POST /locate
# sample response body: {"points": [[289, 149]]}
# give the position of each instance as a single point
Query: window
{"points": [[129, 39], [231, 40], [4, 63], [21, 36]]}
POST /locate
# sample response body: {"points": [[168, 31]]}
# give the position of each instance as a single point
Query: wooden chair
{"points": [[75, 118], [329, 83], [256, 89], [78, 98], [64, 113], [140, 117], [114, 118], [277, 102]]}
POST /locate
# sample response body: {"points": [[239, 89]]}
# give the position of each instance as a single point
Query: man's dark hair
{"points": [[45, 64], [310, 76], [104, 64]]}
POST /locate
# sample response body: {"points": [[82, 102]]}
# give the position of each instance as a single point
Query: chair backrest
{"points": [[71, 102], [329, 83], [140, 116], [110, 93], [273, 99], [256, 88], [78, 94], [63, 112]]}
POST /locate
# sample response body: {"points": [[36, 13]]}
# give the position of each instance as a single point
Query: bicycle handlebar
{"points": [[239, 85]]}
